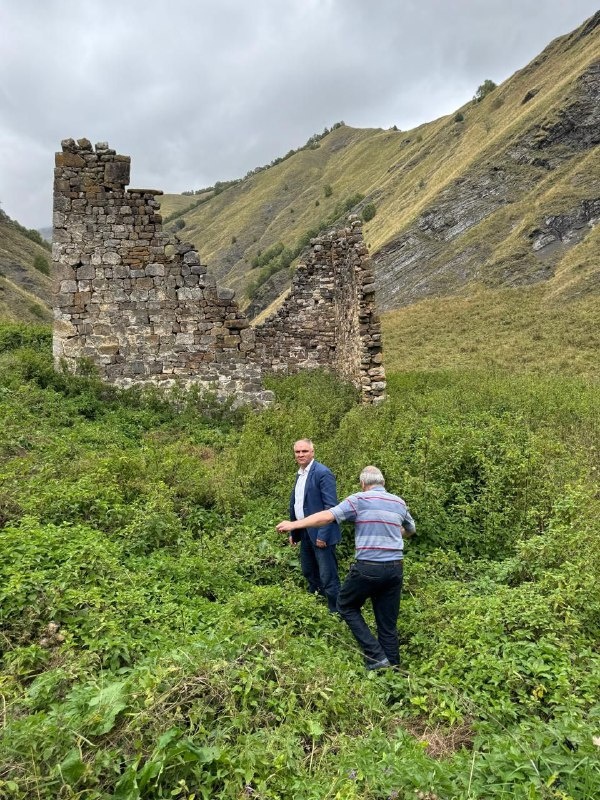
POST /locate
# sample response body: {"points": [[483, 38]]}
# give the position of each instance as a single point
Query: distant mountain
{"points": [[25, 282]]}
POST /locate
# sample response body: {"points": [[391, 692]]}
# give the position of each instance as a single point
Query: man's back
{"points": [[379, 518]]}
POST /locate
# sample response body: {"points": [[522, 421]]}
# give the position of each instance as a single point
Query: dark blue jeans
{"points": [[320, 568], [382, 582]]}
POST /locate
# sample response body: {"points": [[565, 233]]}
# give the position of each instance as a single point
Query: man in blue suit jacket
{"points": [[315, 490]]}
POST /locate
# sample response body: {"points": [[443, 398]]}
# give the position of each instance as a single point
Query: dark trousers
{"points": [[382, 582], [320, 568]]}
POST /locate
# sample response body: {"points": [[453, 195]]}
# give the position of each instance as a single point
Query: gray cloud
{"points": [[204, 90]]}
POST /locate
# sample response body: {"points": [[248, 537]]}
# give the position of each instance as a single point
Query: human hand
{"points": [[292, 542], [321, 543], [285, 526]]}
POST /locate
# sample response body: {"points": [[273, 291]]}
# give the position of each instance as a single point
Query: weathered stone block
{"points": [[117, 173]]}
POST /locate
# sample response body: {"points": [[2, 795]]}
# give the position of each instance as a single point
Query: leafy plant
{"points": [[368, 212], [483, 90], [41, 264], [157, 640]]}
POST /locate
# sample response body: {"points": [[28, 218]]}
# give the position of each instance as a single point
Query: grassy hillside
{"points": [[407, 173], [496, 203], [25, 283], [157, 640]]}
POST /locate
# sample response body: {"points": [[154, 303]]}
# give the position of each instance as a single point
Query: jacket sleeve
{"points": [[328, 490]]}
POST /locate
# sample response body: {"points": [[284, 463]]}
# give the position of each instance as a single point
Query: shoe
{"points": [[371, 665]]}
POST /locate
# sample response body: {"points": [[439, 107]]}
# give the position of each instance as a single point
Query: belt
{"points": [[364, 561]]}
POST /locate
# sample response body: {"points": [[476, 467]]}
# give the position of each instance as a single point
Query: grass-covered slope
{"points": [[499, 193], [156, 639], [25, 283], [527, 330]]}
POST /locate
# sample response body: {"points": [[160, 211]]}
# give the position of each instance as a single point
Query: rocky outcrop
{"points": [[564, 229], [427, 259], [573, 128], [416, 264]]}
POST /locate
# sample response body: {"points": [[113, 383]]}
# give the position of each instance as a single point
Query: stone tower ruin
{"points": [[143, 308]]}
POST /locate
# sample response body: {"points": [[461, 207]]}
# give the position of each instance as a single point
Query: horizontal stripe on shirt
{"points": [[380, 533]]}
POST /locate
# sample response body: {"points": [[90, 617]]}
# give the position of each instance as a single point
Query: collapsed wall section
{"points": [[143, 308], [329, 317]]}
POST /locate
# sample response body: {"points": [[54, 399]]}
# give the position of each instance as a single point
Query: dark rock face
{"points": [[565, 229], [574, 128], [415, 265]]}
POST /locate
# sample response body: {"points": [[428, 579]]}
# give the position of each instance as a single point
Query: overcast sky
{"points": [[197, 91]]}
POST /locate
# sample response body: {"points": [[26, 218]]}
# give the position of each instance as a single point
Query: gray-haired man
{"points": [[380, 519]]}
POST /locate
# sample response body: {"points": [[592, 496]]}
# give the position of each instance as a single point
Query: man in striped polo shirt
{"points": [[380, 520]]}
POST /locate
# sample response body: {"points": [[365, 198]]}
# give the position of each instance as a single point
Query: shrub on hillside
{"points": [[483, 90], [16, 335], [41, 264], [368, 212]]}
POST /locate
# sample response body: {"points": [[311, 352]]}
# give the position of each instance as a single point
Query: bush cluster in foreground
{"points": [[156, 640]]}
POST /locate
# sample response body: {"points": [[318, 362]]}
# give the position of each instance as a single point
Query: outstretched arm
{"points": [[313, 521]]}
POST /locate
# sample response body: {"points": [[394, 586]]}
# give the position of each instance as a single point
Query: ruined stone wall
{"points": [[141, 306], [329, 318]]}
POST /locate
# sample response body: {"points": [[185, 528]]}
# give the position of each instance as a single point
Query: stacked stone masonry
{"points": [[140, 305]]}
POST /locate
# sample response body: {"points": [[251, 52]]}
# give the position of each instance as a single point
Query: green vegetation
{"points": [[482, 91], [41, 264], [262, 259], [157, 641], [279, 257], [369, 212]]}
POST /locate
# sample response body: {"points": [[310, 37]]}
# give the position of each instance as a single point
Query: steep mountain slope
{"points": [[499, 194], [25, 283]]}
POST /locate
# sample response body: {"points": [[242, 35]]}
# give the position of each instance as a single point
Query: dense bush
{"points": [[368, 212], [41, 264], [483, 90], [156, 639]]}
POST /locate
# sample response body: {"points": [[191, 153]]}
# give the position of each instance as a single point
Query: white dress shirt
{"points": [[299, 491]]}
